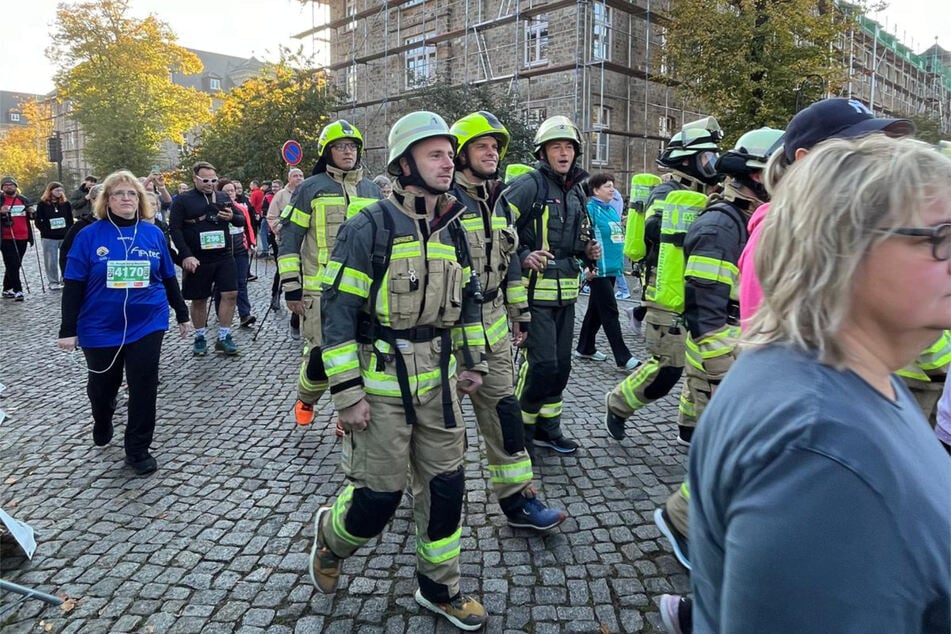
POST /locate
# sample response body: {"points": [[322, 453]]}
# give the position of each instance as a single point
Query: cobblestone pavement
{"points": [[218, 539]]}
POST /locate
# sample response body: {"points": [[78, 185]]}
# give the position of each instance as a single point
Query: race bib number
{"points": [[17, 210], [617, 233], [212, 240], [128, 273], [57, 223], [236, 231]]}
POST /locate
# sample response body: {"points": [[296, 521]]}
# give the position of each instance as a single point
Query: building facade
{"points": [[592, 61], [595, 61]]}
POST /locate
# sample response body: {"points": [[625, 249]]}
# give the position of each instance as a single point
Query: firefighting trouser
{"points": [[375, 463], [927, 393], [694, 397], [500, 424], [656, 377], [312, 380], [545, 370]]}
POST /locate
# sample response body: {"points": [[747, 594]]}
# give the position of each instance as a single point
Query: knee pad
{"points": [[315, 366], [370, 511], [663, 383], [510, 420], [445, 508]]}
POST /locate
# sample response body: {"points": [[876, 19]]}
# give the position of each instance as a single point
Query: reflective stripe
{"points": [[300, 218], [497, 331], [511, 473], [440, 550], [338, 515], [516, 294], [339, 359], [383, 384], [329, 275], [550, 410], [529, 419], [472, 224], [705, 268], [914, 372], [715, 344], [355, 282], [306, 384], [498, 223], [633, 381], [440, 251], [312, 283], [289, 263], [321, 236], [406, 250], [685, 490], [686, 407], [936, 355]]}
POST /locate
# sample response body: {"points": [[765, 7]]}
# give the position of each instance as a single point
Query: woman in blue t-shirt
{"points": [[119, 282], [602, 304]]}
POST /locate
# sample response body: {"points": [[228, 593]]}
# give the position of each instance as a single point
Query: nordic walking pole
{"points": [[39, 266], [270, 308]]}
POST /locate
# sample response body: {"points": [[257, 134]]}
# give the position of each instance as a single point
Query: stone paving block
{"points": [[219, 536]]}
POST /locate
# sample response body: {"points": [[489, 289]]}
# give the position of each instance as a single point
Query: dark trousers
{"points": [[140, 359], [13, 251], [547, 366], [276, 285], [242, 264], [602, 312]]}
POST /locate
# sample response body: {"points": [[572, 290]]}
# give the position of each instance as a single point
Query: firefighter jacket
{"points": [[550, 214], [933, 364], [396, 285], [712, 249], [310, 222], [493, 254]]}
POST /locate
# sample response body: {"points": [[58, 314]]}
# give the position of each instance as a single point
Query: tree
{"points": [[748, 62], [929, 127], [285, 101], [23, 148], [455, 102], [116, 71]]}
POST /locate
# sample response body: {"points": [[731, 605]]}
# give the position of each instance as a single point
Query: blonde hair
{"points": [[829, 210], [122, 177]]}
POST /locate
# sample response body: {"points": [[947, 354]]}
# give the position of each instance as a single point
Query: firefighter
{"points": [[483, 141], [673, 205], [398, 299], [712, 250], [309, 226], [548, 205]]}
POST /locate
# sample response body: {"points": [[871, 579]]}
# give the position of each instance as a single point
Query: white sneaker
{"points": [[596, 356], [629, 366]]}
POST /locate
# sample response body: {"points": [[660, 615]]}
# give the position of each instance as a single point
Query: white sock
{"points": [[223, 332], [199, 332]]}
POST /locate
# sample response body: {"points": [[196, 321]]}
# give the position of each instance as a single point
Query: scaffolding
{"points": [[595, 61]]}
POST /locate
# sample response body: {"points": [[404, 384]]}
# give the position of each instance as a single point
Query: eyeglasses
{"points": [[208, 180], [939, 237], [344, 147], [124, 193]]}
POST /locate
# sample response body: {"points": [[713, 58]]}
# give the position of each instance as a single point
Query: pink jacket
{"points": [[751, 293]]}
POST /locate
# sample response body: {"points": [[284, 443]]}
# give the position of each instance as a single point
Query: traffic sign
{"points": [[292, 153]]}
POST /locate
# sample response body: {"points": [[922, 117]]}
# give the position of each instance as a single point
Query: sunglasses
{"points": [[208, 180]]}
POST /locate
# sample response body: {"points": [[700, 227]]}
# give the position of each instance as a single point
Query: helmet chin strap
{"points": [[416, 180]]}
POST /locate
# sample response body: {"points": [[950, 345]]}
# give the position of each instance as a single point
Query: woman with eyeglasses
{"points": [[819, 493], [119, 282]]}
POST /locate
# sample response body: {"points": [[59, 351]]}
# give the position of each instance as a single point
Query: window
{"points": [[534, 116], [350, 10], [420, 64], [347, 81], [601, 35], [214, 83], [600, 122], [665, 126], [536, 40], [663, 58], [15, 116]]}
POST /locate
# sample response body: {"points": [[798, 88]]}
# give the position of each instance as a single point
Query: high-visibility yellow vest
{"points": [[641, 186], [679, 210]]}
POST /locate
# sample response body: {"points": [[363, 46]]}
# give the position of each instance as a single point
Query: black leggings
{"points": [[13, 251], [603, 313], [140, 360]]}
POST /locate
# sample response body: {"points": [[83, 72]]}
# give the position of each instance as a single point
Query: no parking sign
{"points": [[292, 153]]}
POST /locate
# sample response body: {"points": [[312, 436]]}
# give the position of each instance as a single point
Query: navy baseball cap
{"points": [[837, 118]]}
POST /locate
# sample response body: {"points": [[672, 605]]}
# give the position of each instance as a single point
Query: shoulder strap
{"points": [[537, 208]]}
